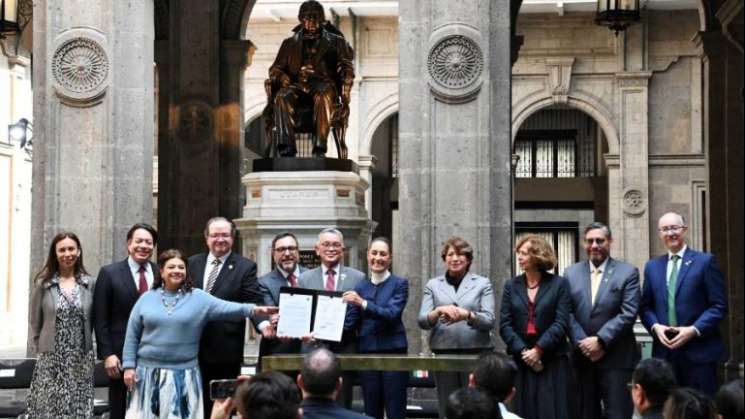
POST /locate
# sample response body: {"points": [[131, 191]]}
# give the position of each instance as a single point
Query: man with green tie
{"points": [[683, 301]]}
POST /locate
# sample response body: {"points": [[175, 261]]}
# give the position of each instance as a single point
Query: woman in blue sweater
{"points": [[162, 342], [376, 306]]}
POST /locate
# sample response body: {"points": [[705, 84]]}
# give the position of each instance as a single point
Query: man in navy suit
{"points": [[286, 273], [228, 276], [320, 382], [118, 287], [683, 301], [605, 297]]}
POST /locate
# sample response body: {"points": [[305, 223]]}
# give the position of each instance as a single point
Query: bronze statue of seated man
{"points": [[314, 72]]}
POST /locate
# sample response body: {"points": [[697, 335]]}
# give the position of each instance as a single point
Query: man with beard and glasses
{"points": [[286, 273], [605, 298]]}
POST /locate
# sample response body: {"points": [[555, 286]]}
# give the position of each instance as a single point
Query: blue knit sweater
{"points": [[161, 340]]}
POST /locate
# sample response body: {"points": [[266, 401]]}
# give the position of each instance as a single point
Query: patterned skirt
{"points": [[162, 393]]}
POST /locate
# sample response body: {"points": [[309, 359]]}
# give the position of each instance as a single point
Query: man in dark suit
{"points": [[683, 301], [320, 382], [651, 383], [286, 273], [332, 275], [605, 296], [118, 287], [229, 276]]}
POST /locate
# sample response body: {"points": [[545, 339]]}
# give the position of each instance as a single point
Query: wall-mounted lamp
{"points": [[9, 18], [617, 15]]}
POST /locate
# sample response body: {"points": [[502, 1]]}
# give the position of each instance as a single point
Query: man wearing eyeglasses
{"points": [[605, 296], [286, 273], [332, 275], [229, 276], [683, 301]]}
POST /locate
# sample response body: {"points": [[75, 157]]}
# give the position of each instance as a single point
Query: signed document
{"points": [[294, 315], [329, 318]]}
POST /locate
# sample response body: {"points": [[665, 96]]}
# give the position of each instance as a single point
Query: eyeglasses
{"points": [[671, 229], [332, 245], [219, 235], [286, 249], [600, 241]]}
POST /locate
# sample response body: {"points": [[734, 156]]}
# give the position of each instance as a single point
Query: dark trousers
{"points": [[385, 392], [215, 371], [117, 398], [702, 377], [598, 385]]}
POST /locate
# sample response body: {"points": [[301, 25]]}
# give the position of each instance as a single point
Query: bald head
{"points": [[672, 230], [320, 373]]}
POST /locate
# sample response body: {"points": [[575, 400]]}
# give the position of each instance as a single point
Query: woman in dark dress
{"points": [[60, 318], [534, 323]]}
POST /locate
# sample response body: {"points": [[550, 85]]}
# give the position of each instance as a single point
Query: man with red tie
{"points": [[286, 273], [332, 275], [118, 287], [683, 301]]}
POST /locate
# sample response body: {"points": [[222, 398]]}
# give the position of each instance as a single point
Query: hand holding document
{"points": [[329, 319], [295, 315], [303, 312]]}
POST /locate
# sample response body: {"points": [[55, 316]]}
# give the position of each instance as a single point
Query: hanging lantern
{"points": [[9, 17], [617, 15]]}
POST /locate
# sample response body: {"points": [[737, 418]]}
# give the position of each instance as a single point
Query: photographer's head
{"points": [[495, 374], [320, 375], [471, 403], [268, 395], [651, 384]]}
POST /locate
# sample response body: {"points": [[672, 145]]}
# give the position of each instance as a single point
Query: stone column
{"points": [[631, 190], [93, 124], [454, 131], [723, 122], [199, 148]]}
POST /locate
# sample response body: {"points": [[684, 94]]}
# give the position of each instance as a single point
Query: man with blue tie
{"points": [[605, 297], [683, 301]]}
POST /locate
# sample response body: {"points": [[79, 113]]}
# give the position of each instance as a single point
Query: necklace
{"points": [[170, 305]]}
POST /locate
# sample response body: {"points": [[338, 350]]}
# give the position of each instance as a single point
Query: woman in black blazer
{"points": [[534, 324]]}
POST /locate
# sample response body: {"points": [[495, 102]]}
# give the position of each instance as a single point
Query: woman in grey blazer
{"points": [[458, 309], [60, 317]]}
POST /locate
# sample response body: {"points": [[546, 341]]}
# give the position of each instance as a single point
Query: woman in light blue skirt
{"points": [[160, 350]]}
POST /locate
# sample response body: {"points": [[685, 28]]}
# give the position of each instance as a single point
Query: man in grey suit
{"points": [[332, 275], [286, 273], [605, 295]]}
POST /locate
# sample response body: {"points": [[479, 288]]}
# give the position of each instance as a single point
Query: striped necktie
{"points": [[213, 274]]}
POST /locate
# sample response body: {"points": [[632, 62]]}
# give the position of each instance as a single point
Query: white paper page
{"points": [[329, 323], [294, 315]]}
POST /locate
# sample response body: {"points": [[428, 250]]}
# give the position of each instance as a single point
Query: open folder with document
{"points": [[303, 311]]}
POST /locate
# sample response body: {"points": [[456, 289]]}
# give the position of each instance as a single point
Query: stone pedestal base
{"points": [[304, 203]]}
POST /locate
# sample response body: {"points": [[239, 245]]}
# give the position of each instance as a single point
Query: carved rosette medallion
{"points": [[80, 68], [455, 64], [634, 203], [194, 121]]}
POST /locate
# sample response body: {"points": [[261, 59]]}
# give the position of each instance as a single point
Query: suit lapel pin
{"points": [[688, 262], [230, 267]]}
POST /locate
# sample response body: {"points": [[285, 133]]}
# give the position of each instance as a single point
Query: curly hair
{"points": [[164, 257], [542, 255]]}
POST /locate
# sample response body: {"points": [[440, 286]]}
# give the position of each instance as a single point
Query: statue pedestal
{"points": [[304, 203]]}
